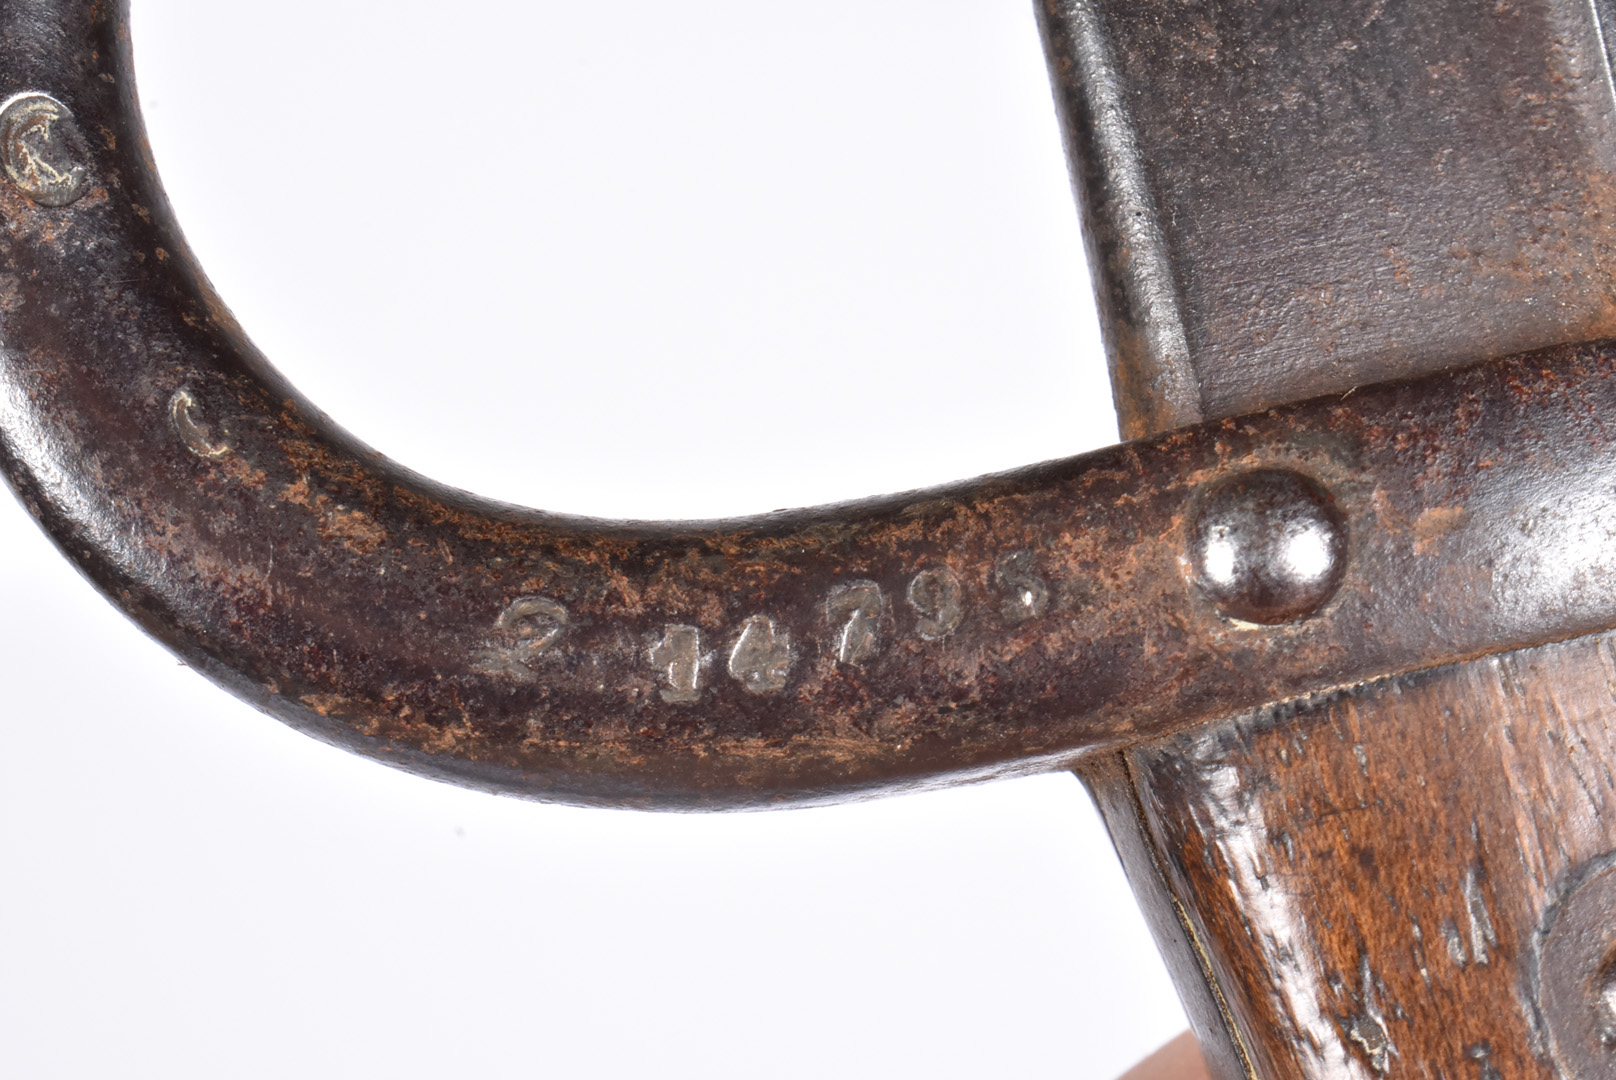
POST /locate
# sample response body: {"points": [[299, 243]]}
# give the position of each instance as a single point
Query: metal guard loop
{"points": [[1006, 625]]}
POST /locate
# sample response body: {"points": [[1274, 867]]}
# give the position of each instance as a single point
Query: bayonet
{"points": [[1326, 639]]}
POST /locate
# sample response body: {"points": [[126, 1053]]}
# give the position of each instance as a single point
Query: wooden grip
{"points": [[1405, 878]]}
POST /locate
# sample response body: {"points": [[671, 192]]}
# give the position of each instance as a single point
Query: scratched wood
{"points": [[1108, 781], [1364, 877]]}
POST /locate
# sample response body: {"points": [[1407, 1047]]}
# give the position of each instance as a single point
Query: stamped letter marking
{"points": [[1025, 594], [678, 656], [762, 657], [936, 597], [854, 613]]}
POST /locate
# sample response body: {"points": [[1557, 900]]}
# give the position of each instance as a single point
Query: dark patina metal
{"points": [[1282, 199], [1576, 973], [1331, 669], [1006, 625]]}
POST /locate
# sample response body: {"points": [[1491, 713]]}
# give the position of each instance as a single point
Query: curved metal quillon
{"points": [[1005, 625]]}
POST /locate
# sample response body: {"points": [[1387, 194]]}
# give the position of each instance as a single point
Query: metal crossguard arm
{"points": [[1286, 215]]}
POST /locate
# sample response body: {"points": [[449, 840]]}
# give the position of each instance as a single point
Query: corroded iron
{"points": [[1286, 199], [1010, 624], [1337, 669]]}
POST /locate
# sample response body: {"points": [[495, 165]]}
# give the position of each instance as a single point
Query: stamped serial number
{"points": [[759, 654]]}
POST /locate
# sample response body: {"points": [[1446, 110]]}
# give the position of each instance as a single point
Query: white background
{"points": [[633, 259]]}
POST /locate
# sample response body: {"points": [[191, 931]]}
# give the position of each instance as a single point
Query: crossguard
{"points": [[1006, 625]]}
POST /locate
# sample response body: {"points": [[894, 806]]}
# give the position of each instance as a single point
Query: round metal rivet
{"points": [[1576, 974], [42, 149], [1268, 546]]}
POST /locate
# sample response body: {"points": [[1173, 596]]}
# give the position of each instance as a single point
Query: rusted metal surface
{"points": [[1006, 625], [1286, 198], [1354, 885]]}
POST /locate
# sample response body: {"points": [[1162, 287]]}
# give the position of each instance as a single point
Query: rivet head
{"points": [[1576, 973], [42, 150], [1268, 546]]}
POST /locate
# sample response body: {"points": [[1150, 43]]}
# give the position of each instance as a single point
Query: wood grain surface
{"points": [[1365, 877]]}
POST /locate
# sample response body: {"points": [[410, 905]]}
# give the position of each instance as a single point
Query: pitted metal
{"points": [[1010, 624]]}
